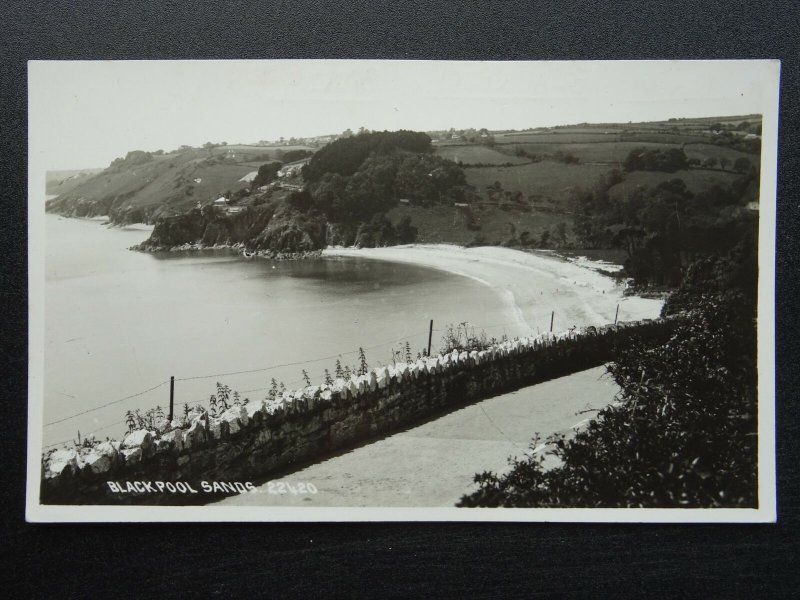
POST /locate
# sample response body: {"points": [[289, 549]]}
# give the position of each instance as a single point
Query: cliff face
{"points": [[257, 228]]}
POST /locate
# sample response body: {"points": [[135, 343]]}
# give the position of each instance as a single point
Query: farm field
{"points": [[696, 180], [246, 150], [559, 137], [448, 224], [546, 179], [703, 151], [474, 154]]}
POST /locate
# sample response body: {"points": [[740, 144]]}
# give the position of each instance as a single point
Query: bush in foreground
{"points": [[682, 435]]}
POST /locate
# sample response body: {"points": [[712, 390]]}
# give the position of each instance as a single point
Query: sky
{"points": [[83, 114]]}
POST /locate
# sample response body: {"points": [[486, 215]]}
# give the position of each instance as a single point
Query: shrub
{"points": [[668, 160], [461, 337], [684, 431]]}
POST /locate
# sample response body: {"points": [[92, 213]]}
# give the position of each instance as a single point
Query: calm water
{"points": [[119, 322]]}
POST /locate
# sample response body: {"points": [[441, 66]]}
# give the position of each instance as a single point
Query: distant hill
{"points": [[663, 191], [61, 182], [143, 187]]}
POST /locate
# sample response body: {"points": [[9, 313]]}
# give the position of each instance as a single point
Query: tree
{"points": [[406, 232], [561, 233], [544, 238], [724, 163], [656, 159], [266, 174], [300, 200], [345, 155], [363, 367], [742, 165]]}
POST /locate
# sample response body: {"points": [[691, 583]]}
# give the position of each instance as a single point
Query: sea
{"points": [[119, 324]]}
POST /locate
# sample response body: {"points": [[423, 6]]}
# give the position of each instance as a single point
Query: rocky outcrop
{"points": [[262, 229]]}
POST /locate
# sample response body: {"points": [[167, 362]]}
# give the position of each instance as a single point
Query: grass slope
{"points": [[168, 184], [448, 224], [547, 179], [60, 182], [696, 180]]}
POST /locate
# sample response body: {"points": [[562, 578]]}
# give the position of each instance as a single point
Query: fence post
{"points": [[171, 397], [430, 335], [552, 316], [616, 315]]}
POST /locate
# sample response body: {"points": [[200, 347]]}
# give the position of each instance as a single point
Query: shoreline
{"points": [[536, 285], [237, 248]]}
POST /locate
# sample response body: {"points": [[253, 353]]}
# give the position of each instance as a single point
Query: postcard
{"points": [[368, 290]]}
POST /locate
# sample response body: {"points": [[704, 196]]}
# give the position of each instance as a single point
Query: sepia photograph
{"points": [[366, 290]]}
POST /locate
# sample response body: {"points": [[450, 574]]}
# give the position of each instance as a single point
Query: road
{"points": [[432, 465]]}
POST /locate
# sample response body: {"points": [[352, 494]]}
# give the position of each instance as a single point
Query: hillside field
{"points": [[448, 224], [60, 182], [165, 184], [521, 181], [476, 154], [548, 180], [696, 180]]}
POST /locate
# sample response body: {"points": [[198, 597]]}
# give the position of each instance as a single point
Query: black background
{"points": [[334, 560]]}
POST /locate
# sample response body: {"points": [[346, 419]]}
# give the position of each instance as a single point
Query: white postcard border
{"points": [[767, 74]]}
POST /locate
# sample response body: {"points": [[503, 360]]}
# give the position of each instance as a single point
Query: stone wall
{"points": [[250, 442]]}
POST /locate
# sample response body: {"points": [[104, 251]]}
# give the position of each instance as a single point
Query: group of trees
{"points": [[266, 174], [355, 180], [665, 228], [667, 160], [352, 193], [743, 126], [131, 159], [345, 155], [740, 165], [291, 156], [379, 231]]}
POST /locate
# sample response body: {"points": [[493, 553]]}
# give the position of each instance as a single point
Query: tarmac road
{"points": [[433, 465]]}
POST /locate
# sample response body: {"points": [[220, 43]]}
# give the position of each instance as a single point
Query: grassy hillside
{"points": [[60, 182], [548, 165], [161, 185], [469, 154], [547, 180], [468, 187], [450, 225], [696, 180]]}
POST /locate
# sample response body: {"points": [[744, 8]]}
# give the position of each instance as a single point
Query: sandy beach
{"points": [[534, 285]]}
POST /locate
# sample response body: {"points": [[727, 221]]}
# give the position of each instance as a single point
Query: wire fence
{"points": [[451, 327]]}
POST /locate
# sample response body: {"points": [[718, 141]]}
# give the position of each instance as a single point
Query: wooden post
{"points": [[616, 315], [430, 336], [552, 316], [171, 397]]}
